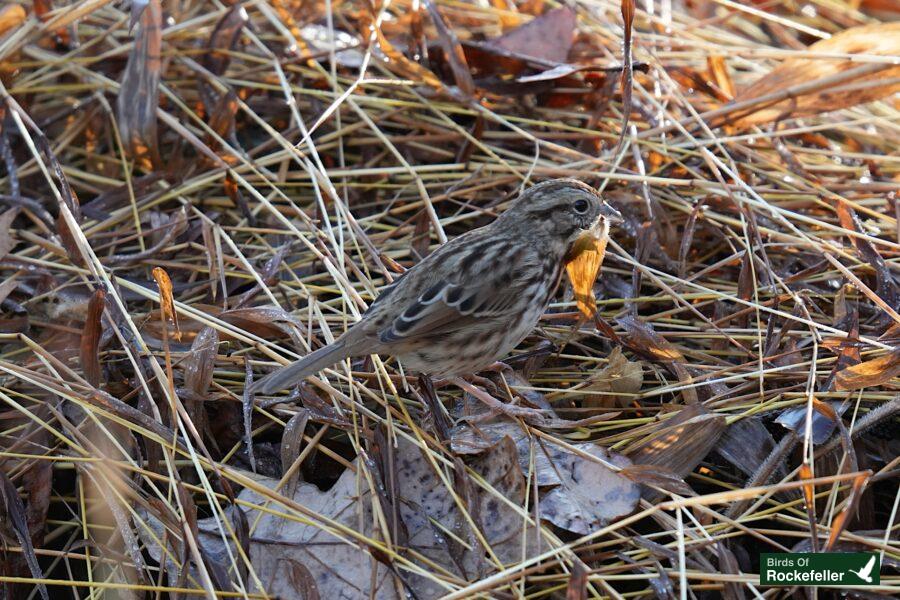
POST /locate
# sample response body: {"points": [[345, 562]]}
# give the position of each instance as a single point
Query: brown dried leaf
{"points": [[680, 442], [809, 491], [224, 37], [138, 98], [11, 16], [547, 37], [881, 39], [878, 371], [887, 288], [199, 364], [617, 382], [265, 321], [278, 545], [644, 339], [90, 338], [578, 580], [456, 58], [849, 511], [166, 300], [658, 476], [583, 268], [6, 240], [718, 71], [425, 502], [588, 494], [291, 442], [13, 522]]}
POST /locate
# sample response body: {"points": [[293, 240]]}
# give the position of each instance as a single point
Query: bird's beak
{"points": [[612, 216]]}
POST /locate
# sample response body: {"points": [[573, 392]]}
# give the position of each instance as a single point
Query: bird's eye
{"points": [[581, 206]]}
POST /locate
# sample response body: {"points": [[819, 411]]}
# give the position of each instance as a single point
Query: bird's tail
{"points": [[298, 371]]}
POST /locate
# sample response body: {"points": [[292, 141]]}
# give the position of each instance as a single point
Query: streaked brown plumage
{"points": [[476, 297]]}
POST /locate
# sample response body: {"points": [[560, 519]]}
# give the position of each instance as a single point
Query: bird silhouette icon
{"points": [[866, 572]]}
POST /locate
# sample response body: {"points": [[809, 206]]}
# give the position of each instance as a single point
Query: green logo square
{"points": [[834, 569]]}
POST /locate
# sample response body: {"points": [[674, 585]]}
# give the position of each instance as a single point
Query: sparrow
{"points": [[475, 298]]}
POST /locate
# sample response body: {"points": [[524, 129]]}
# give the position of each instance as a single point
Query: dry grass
{"points": [[156, 257]]}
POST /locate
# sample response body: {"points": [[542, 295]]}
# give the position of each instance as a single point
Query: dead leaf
{"points": [[456, 58], [90, 338], [291, 442], [718, 72], [199, 364], [11, 16], [345, 570], [658, 476], [887, 287], [644, 339], [585, 492], [583, 268], [7, 243], [878, 371], [588, 494], [881, 39], [14, 523], [614, 385], [138, 97], [166, 300], [843, 518], [338, 568], [430, 514], [680, 442], [548, 37]]}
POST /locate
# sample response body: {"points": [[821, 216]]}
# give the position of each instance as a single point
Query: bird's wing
{"points": [[446, 307]]}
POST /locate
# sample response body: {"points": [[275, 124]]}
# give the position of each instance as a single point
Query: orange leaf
{"points": [[583, 270], [11, 16], [166, 300], [873, 372], [90, 338]]}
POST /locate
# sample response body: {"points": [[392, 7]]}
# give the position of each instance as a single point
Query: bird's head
{"points": [[561, 210]]}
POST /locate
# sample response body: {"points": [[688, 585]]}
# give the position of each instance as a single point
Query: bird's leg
{"points": [[429, 397], [498, 367]]}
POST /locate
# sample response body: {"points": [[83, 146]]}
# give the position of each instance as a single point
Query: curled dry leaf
{"points": [[198, 366], [14, 524], [583, 267], [680, 442], [166, 300], [139, 94], [878, 371], [6, 240], [643, 338], [858, 87], [90, 338], [615, 384]]}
